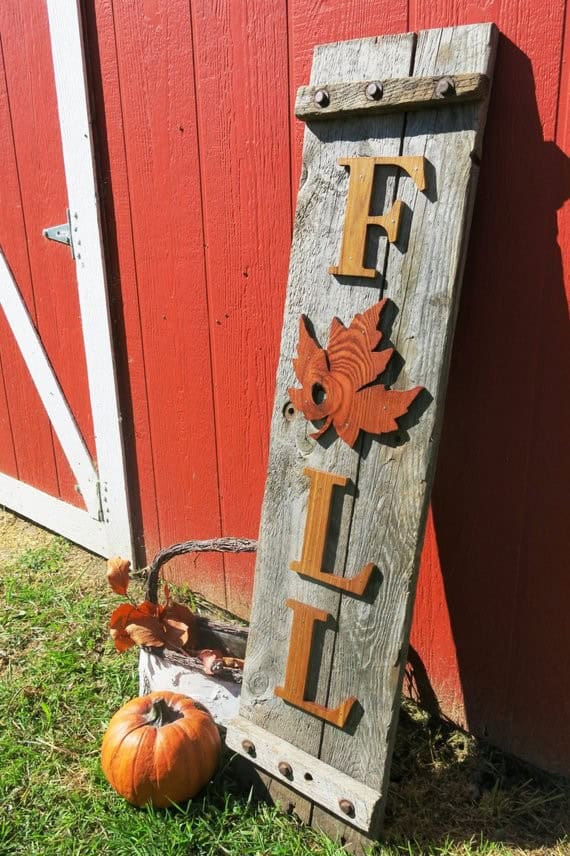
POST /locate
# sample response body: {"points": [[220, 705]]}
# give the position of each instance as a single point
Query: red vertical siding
{"points": [[313, 23], [154, 198], [121, 266], [496, 554], [33, 197], [199, 166], [37, 464], [199, 147], [35, 126], [243, 127]]}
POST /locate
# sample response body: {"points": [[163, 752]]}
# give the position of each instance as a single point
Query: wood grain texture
{"points": [[312, 291], [301, 661], [35, 462], [43, 198], [392, 481], [241, 84], [352, 99], [311, 23], [124, 294], [158, 107], [358, 215], [48, 388], [307, 775], [75, 121], [319, 507], [490, 535], [339, 383], [8, 463], [55, 514]]}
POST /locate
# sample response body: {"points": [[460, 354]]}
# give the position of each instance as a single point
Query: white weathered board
{"points": [[381, 516]]}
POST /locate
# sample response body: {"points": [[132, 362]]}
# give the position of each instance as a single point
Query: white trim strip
{"points": [[73, 99], [48, 388], [54, 514]]}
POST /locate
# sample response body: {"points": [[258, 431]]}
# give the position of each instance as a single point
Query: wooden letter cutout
{"points": [[315, 536], [298, 663], [357, 217]]}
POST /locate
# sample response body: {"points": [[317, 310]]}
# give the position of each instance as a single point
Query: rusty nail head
{"points": [[346, 807], [322, 98], [374, 91], [285, 769], [248, 747], [444, 87]]}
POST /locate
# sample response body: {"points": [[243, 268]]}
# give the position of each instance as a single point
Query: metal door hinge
{"points": [[62, 234]]}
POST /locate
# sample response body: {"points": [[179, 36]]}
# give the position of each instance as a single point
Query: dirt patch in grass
{"points": [[18, 536]]}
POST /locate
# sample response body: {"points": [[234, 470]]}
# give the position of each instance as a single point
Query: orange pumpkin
{"points": [[160, 748]]}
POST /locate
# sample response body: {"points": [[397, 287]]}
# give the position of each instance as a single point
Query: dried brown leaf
{"points": [[118, 571], [179, 613], [146, 630], [176, 633], [121, 639], [120, 616], [147, 607]]}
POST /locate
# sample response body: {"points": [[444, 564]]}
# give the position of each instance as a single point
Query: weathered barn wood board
{"points": [[380, 516], [389, 96]]}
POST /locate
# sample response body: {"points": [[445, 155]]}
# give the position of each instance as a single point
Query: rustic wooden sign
{"points": [[381, 229]]}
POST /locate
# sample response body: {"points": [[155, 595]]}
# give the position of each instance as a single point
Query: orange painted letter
{"points": [[316, 529], [298, 663], [357, 216]]}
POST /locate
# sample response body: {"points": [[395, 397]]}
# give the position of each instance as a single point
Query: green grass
{"points": [[60, 682]]}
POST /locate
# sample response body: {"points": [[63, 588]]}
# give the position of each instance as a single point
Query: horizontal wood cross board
{"points": [[352, 460]]}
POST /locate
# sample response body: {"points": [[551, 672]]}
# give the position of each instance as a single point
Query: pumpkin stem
{"points": [[161, 713]]}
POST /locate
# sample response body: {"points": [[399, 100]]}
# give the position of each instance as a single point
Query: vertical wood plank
{"points": [[314, 23], [535, 682], [155, 62], [123, 288], [243, 125], [8, 462], [32, 462], [314, 292], [394, 481], [47, 386], [35, 125], [483, 552]]}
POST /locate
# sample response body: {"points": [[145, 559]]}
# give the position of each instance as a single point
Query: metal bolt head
{"points": [[285, 769], [322, 98], [248, 747], [346, 807], [445, 87], [374, 91]]}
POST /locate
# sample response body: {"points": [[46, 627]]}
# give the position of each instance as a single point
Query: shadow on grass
{"points": [[451, 793], [446, 784]]}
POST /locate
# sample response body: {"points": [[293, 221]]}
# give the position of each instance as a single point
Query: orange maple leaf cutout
{"points": [[336, 382]]}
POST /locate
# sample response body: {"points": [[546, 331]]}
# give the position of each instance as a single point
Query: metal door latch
{"points": [[62, 234]]}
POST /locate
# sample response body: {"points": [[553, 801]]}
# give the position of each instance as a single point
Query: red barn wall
{"points": [[199, 162], [33, 195]]}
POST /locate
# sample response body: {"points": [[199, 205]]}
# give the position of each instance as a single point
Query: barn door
{"points": [[61, 450]]}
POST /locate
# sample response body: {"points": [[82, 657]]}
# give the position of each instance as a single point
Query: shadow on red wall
{"points": [[500, 501]]}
